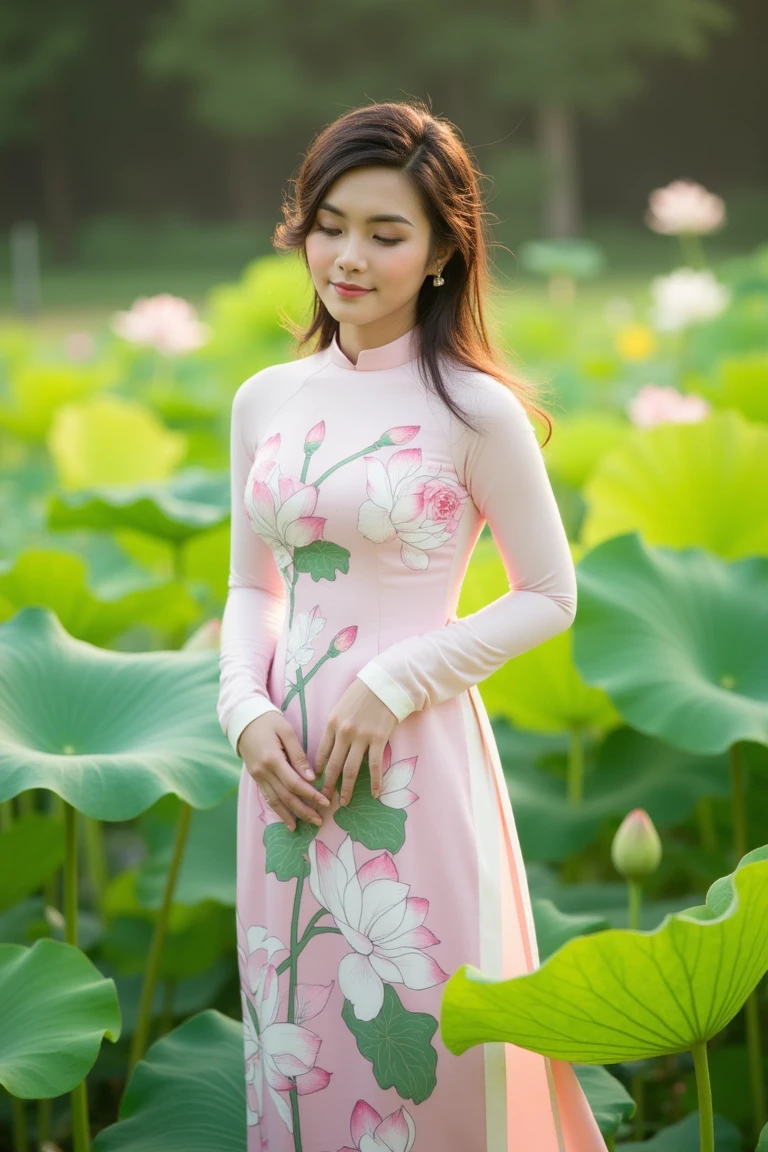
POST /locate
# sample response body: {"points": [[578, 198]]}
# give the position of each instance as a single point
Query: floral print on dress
{"points": [[419, 503], [379, 920], [396, 1133], [299, 651]]}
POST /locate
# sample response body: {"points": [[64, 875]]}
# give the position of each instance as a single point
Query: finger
{"points": [[292, 782], [296, 804], [279, 809], [351, 769], [295, 753], [375, 755], [334, 766]]}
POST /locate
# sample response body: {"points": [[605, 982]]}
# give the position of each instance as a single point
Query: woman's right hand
{"points": [[272, 753]]}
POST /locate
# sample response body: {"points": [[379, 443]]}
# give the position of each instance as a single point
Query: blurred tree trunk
{"points": [[555, 128], [55, 169], [557, 140]]}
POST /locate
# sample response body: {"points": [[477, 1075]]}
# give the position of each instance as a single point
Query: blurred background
{"points": [[150, 142]]}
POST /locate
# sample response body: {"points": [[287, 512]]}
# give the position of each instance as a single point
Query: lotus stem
{"points": [[6, 815], [26, 802], [704, 1090], [693, 250], [81, 1136], [754, 1049], [638, 1094], [706, 822], [96, 859], [635, 899], [158, 939], [738, 808], [44, 1108], [19, 1112]]}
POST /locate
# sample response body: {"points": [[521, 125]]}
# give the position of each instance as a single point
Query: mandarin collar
{"points": [[400, 351]]}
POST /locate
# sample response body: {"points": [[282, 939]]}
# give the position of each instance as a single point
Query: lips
{"points": [[350, 287]]}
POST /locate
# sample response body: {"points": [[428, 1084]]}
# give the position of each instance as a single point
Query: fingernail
{"points": [[309, 774]]}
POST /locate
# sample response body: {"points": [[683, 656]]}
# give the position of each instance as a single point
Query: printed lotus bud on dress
{"points": [[636, 849], [684, 207]]}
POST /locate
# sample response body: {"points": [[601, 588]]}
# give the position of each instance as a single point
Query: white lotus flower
{"points": [[395, 778], [299, 650], [164, 322], [686, 297], [684, 206], [379, 920], [652, 405]]}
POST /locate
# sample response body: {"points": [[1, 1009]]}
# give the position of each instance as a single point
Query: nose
{"points": [[349, 258]]}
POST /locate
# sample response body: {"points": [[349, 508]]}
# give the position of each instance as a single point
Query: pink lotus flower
{"points": [[280, 507], [686, 297], [165, 322], [395, 778], [413, 501], [281, 1055], [684, 207], [370, 1133], [379, 920], [653, 405]]}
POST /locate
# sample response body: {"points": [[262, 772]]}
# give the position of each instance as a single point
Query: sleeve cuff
{"points": [[244, 713], [387, 690]]}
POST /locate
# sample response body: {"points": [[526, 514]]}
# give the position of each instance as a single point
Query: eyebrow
{"points": [[385, 218]]}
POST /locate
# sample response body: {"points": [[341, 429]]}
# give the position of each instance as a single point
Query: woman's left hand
{"points": [[359, 723]]}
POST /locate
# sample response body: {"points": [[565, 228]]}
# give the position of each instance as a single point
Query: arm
{"points": [[252, 618], [508, 482]]}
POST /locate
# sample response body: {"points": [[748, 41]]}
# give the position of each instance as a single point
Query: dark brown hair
{"points": [[428, 149]]}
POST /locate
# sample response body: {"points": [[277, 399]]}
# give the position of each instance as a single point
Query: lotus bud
{"points": [[314, 437], [636, 848], [343, 640], [399, 435]]}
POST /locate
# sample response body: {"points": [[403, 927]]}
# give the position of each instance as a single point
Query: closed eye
{"points": [[381, 239]]}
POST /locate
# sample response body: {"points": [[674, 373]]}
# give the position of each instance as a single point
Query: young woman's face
{"points": [[388, 257]]}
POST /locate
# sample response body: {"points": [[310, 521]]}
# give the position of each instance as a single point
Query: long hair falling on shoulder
{"points": [[406, 135]]}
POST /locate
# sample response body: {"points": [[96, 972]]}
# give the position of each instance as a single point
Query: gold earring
{"points": [[438, 280]]}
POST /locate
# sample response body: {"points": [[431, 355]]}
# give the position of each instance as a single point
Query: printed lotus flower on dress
{"points": [[280, 507], [416, 502], [396, 1133], [379, 920], [395, 778], [166, 323], [280, 1055], [299, 651], [684, 206]]}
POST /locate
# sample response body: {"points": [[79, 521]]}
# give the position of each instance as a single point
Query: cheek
{"points": [[403, 264]]}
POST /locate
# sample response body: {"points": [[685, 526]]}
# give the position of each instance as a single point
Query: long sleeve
{"points": [[252, 618], [507, 480]]}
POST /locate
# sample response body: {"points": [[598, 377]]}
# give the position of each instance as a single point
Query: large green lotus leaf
{"points": [[685, 1137], [677, 640], [631, 771], [626, 995], [109, 440], [208, 869], [56, 1007], [762, 1145], [38, 390], [59, 581], [581, 441], [740, 382], [608, 1099], [187, 1094], [541, 689], [554, 928], [109, 732], [31, 850], [685, 485], [191, 502]]}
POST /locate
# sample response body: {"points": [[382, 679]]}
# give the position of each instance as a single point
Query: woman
{"points": [[377, 849]]}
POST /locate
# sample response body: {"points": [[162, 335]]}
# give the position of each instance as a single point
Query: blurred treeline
{"points": [[201, 109]]}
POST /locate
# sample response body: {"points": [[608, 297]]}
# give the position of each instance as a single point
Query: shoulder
{"points": [[494, 408], [272, 384]]}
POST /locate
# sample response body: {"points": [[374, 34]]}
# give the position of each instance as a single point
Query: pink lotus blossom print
{"points": [[396, 1133], [379, 920], [419, 503]]}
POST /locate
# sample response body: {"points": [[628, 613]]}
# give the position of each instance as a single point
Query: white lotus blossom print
{"points": [[396, 1133], [395, 778], [281, 508], [383, 925], [279, 1055], [299, 651], [416, 502]]}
